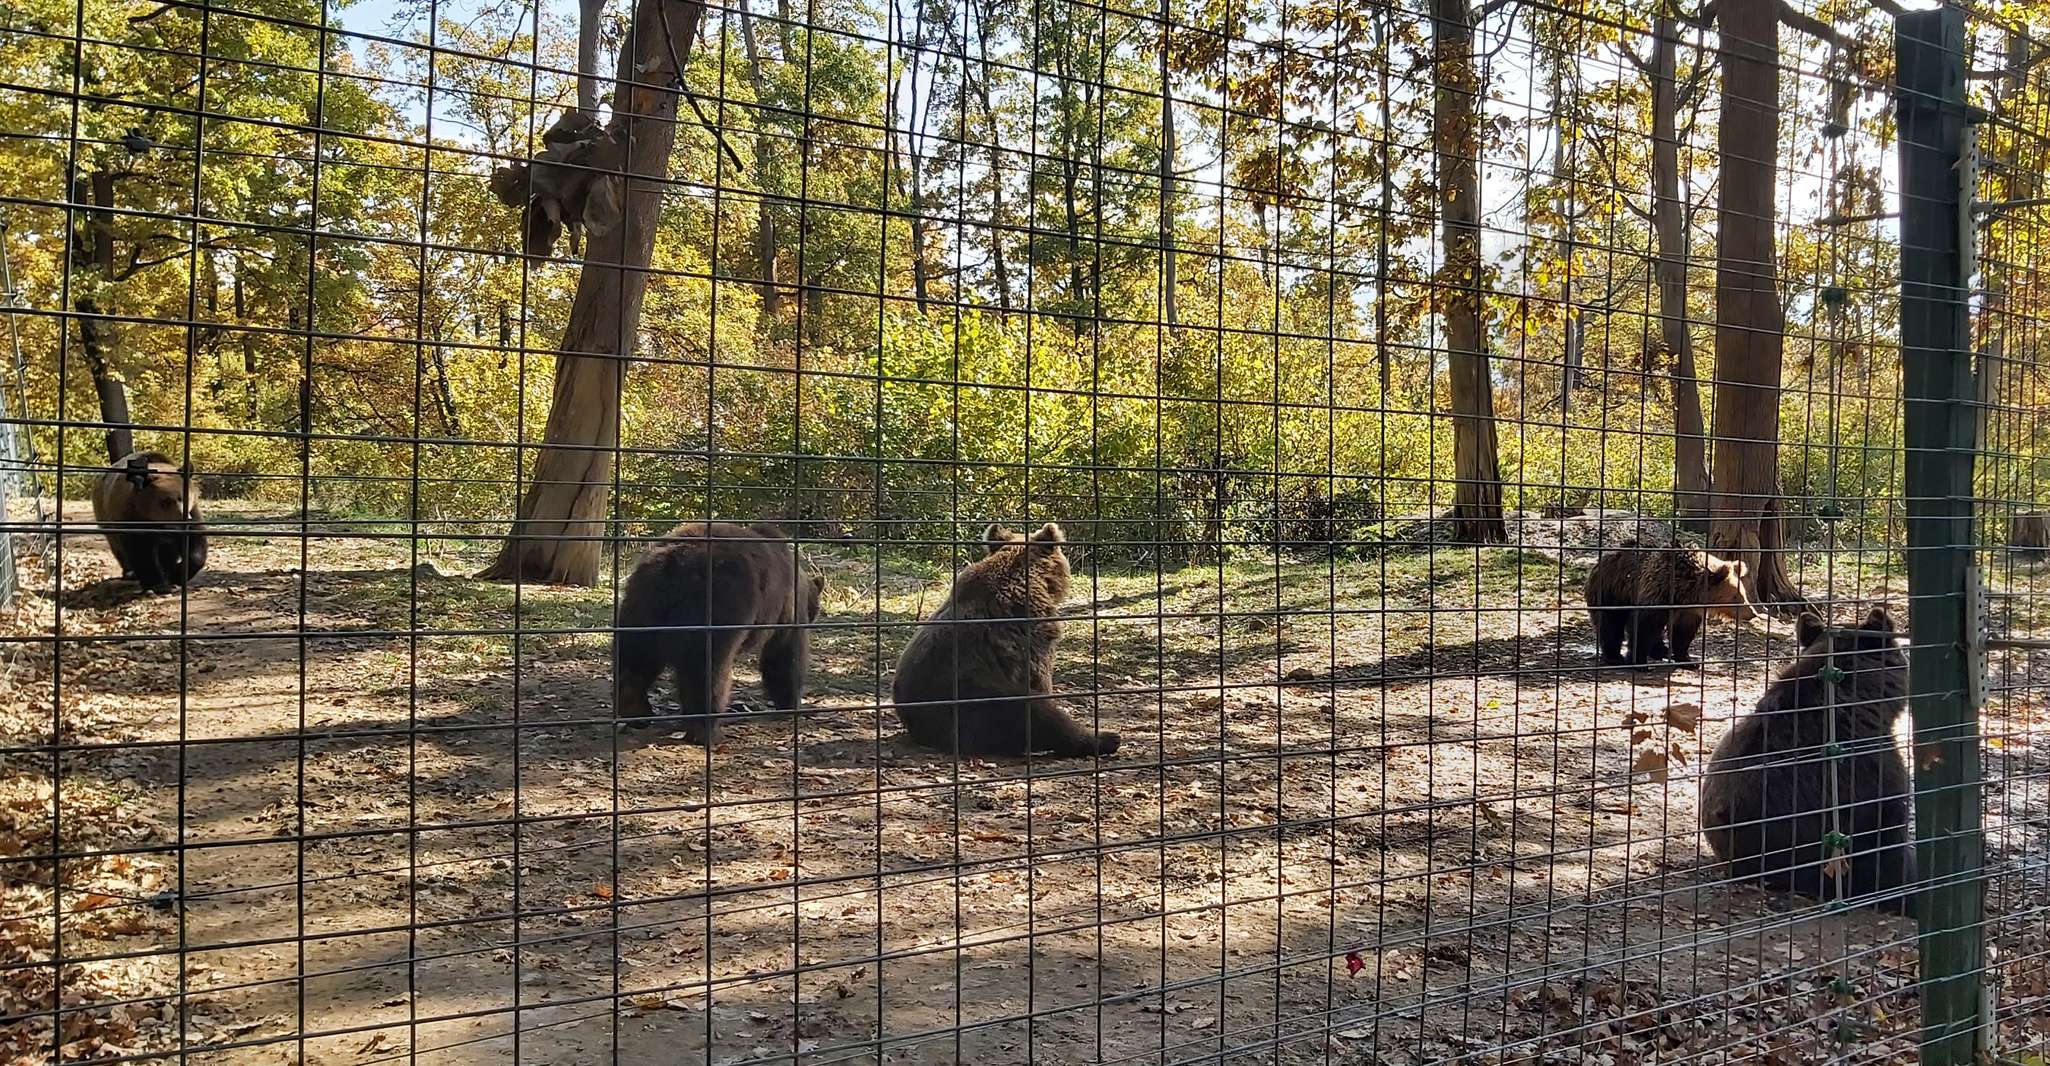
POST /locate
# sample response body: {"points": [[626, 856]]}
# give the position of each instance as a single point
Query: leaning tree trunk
{"points": [[557, 537], [93, 248], [1456, 131], [1690, 444], [1748, 318]]}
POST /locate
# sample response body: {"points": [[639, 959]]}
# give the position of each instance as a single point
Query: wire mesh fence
{"points": [[1053, 532]]}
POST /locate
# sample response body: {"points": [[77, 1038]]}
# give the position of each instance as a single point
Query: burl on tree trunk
{"points": [[558, 537], [1744, 501]]}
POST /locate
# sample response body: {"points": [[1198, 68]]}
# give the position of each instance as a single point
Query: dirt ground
{"points": [[327, 808]]}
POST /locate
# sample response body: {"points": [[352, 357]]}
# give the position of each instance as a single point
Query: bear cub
{"points": [[1644, 593], [977, 678], [705, 594], [148, 508], [1765, 799]]}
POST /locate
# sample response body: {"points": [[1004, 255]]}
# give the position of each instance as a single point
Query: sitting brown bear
{"points": [[705, 594], [1766, 800], [1641, 592], [977, 678]]}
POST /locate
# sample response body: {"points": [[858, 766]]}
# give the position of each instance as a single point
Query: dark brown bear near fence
{"points": [[1767, 805], [704, 595], [2028, 532], [977, 677], [1642, 593], [148, 508]]}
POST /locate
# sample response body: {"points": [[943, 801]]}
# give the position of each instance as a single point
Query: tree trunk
{"points": [[1168, 280], [1749, 321], [1576, 357], [557, 537], [93, 249], [590, 13], [765, 217], [998, 215], [1690, 463], [1455, 132], [107, 383]]}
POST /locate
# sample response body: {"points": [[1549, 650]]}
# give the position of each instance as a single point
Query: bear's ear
{"points": [[1050, 534], [1808, 629], [1878, 627], [995, 536]]}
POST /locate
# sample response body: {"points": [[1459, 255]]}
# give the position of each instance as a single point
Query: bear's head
{"points": [[811, 591], [161, 495], [1874, 668], [996, 538], [1721, 588]]}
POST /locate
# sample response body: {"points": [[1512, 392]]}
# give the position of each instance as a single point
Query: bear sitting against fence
{"points": [[977, 678], [148, 508], [1643, 592], [1769, 805], [707, 593]]}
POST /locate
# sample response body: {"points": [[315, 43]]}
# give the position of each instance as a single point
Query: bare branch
{"points": [[1813, 27]]}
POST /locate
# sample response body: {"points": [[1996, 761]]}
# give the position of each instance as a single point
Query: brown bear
{"points": [[1642, 592], [148, 508], [705, 594], [977, 677], [1766, 800]]}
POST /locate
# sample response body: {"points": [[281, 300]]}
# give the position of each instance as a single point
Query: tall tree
{"points": [[764, 164], [1669, 228], [1749, 321], [1455, 135], [590, 19], [557, 536], [94, 272]]}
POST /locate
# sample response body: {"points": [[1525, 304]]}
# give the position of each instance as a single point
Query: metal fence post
{"points": [[1936, 395]]}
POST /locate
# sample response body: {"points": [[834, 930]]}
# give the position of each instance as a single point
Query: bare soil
{"points": [[331, 806]]}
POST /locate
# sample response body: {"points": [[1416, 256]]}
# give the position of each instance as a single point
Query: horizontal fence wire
{"points": [[1068, 532]]}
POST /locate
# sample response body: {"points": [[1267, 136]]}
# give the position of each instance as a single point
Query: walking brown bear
{"points": [[148, 508], [977, 678], [1643, 592], [704, 595], [1766, 800]]}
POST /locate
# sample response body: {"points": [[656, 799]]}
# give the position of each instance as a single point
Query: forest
{"points": [[1192, 275], [1341, 342]]}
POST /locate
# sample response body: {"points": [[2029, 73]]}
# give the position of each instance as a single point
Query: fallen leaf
{"points": [[1354, 964], [1685, 716], [602, 891], [1650, 761]]}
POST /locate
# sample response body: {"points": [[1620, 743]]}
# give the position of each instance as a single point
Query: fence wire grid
{"points": [[1238, 478]]}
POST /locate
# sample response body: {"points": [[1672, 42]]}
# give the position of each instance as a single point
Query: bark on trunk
{"points": [[1168, 280], [1749, 320], [765, 217], [1477, 493], [93, 249], [1690, 463], [558, 536], [999, 217], [590, 14]]}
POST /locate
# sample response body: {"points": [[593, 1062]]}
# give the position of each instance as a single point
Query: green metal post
{"points": [[1939, 432]]}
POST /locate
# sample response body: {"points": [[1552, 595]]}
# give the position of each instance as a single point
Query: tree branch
{"points": [[1813, 27]]}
